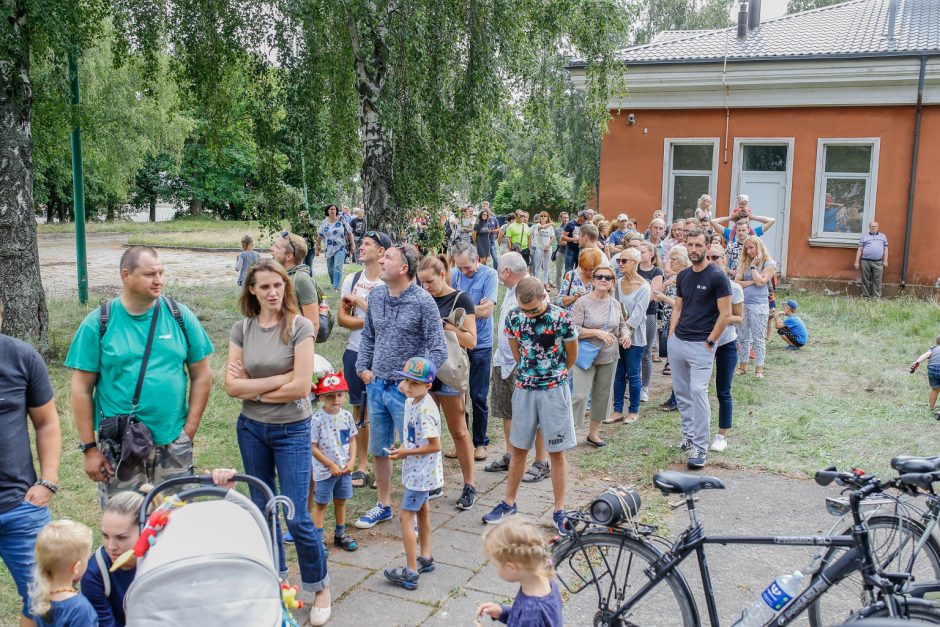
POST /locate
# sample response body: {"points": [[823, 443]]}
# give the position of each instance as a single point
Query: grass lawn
{"points": [[196, 232], [847, 399]]}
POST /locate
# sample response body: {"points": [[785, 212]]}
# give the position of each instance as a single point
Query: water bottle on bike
{"points": [[773, 599]]}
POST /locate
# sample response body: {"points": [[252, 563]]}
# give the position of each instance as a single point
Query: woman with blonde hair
{"points": [[634, 295], [270, 366], [755, 272], [676, 261], [433, 274], [541, 236], [578, 281]]}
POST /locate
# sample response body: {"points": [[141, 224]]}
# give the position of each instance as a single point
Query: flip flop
{"points": [[759, 375], [359, 476], [596, 443]]}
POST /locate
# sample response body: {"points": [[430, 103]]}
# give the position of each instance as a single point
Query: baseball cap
{"points": [[330, 383], [379, 238], [622, 216], [419, 369], [792, 304]]}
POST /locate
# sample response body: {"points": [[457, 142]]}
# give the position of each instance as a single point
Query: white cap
{"points": [[622, 216]]}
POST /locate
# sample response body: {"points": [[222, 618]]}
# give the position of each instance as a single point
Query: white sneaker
{"points": [[719, 443], [644, 395]]}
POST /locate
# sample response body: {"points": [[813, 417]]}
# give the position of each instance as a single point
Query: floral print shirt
{"points": [[422, 473], [332, 434], [334, 235], [572, 285], [542, 364]]}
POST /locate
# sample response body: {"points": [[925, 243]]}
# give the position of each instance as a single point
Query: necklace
{"points": [[58, 590]]}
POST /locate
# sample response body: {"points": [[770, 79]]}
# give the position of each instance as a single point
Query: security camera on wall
{"points": [[631, 119]]}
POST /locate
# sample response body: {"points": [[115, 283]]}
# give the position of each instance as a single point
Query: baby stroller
{"points": [[214, 562]]}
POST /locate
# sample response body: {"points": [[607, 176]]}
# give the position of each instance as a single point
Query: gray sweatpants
{"points": [[691, 364]]}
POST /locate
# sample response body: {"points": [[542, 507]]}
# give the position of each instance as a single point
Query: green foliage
{"points": [[795, 6], [659, 15]]}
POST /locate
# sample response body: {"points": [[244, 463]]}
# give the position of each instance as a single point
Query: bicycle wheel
{"points": [[922, 614], [893, 542], [602, 570]]}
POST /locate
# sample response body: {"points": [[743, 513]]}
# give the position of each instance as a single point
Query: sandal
{"points": [[500, 465], [740, 371], [537, 472], [359, 478], [595, 443], [345, 542], [657, 359], [667, 369], [614, 417], [758, 375]]}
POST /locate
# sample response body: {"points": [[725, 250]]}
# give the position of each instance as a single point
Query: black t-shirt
{"points": [[649, 275], [699, 292], [445, 304], [24, 383], [358, 226], [573, 229]]}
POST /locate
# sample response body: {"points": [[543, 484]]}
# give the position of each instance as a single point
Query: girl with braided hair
{"points": [[520, 555]]}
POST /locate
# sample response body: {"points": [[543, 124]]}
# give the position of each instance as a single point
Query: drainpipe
{"points": [[910, 193]]}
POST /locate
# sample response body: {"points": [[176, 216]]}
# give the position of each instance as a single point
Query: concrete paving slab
{"points": [[488, 581], [366, 607], [459, 611], [434, 587]]}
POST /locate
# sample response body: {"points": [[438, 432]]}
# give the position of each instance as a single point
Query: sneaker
{"points": [[436, 493], [425, 565], [379, 513], [500, 513], [719, 443], [479, 453], [403, 576], [684, 445], [697, 458], [345, 542], [560, 518], [644, 395], [468, 497], [288, 538], [788, 347], [451, 454], [669, 406]]}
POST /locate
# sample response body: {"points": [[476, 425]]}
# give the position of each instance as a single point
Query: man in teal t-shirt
{"points": [[106, 368]]}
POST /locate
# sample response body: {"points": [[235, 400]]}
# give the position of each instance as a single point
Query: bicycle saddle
{"points": [[909, 463], [670, 481]]}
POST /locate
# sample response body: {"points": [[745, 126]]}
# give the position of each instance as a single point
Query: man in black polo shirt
{"points": [[701, 312]]}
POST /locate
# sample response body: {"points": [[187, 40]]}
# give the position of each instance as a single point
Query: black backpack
{"points": [[104, 314]]}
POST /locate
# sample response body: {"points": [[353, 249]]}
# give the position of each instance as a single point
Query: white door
{"points": [[763, 176]]}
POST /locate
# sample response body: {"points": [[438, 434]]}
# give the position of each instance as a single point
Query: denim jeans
{"points": [[628, 369], [334, 268], [386, 415], [494, 253], [571, 258], [726, 358], [480, 359], [282, 452], [18, 530]]}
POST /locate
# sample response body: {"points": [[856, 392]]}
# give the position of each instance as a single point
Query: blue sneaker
{"points": [[500, 513], [379, 513], [560, 519], [788, 347], [288, 538]]}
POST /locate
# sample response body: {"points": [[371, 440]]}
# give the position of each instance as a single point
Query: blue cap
{"points": [[419, 369], [792, 304]]}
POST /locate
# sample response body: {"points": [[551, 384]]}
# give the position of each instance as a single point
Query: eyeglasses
{"points": [[603, 277], [714, 257], [286, 236]]}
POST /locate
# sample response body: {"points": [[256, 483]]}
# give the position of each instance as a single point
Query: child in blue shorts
{"points": [[422, 469], [334, 451], [932, 356]]}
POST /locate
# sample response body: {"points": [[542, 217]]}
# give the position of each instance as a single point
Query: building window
{"points": [[846, 183], [689, 170]]}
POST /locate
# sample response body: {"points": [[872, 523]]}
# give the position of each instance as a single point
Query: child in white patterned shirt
{"points": [[422, 469], [333, 446]]}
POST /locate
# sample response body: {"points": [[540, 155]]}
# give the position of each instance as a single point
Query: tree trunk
{"points": [[195, 206], [21, 292], [110, 212], [50, 212], [153, 208]]}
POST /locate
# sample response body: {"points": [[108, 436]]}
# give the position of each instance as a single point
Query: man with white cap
{"points": [[619, 238]]}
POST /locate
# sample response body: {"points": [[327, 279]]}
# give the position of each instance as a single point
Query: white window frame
{"points": [[847, 240], [669, 173]]}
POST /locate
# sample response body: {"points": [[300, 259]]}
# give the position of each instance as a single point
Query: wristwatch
{"points": [[711, 343], [84, 446]]}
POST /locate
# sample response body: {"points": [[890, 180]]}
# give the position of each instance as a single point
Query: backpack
{"points": [[104, 315]]}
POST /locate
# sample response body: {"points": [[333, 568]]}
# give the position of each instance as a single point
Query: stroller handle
{"points": [[206, 488]]}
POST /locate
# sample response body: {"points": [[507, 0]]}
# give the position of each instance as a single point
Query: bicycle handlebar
{"points": [[827, 475], [920, 480]]}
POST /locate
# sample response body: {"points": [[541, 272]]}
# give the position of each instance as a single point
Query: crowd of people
{"points": [[427, 336]]}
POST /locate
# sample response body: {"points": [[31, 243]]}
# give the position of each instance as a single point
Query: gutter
{"points": [[905, 54], [914, 154]]}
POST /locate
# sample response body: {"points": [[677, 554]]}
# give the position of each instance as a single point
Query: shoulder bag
{"points": [[456, 370], [588, 350]]}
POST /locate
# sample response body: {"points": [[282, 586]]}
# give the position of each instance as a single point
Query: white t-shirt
{"points": [[422, 473], [332, 434], [364, 287], [730, 333]]}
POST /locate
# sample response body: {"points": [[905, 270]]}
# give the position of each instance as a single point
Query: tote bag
{"points": [[456, 370]]}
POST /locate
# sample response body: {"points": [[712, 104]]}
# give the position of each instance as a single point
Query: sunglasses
{"points": [[714, 257], [603, 277], [622, 261], [286, 236], [534, 310]]}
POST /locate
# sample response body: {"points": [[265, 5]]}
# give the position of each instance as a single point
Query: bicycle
{"points": [[622, 562], [902, 538]]}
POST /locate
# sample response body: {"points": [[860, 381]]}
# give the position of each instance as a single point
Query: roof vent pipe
{"points": [[742, 20], [892, 18], [753, 14]]}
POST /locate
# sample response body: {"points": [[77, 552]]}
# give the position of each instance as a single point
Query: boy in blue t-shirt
{"points": [[932, 357], [791, 328]]}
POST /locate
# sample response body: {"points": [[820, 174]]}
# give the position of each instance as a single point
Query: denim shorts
{"points": [[443, 389], [933, 376], [325, 490], [386, 415], [18, 530], [414, 500]]}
